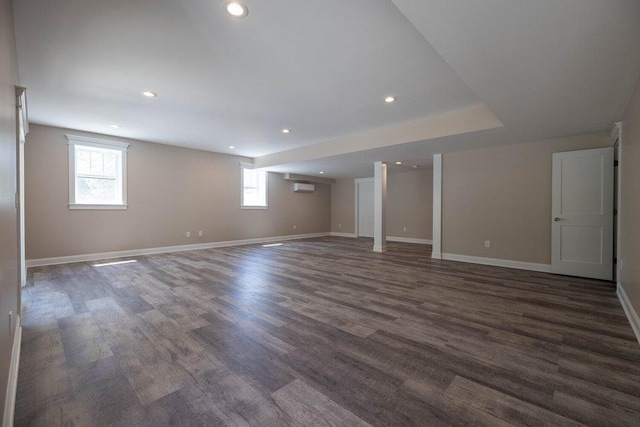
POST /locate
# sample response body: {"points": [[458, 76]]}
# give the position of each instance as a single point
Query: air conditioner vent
{"points": [[299, 187]]}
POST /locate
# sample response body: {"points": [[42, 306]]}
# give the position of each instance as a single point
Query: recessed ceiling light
{"points": [[149, 94], [236, 9], [114, 126], [321, 172], [231, 147], [390, 99], [286, 130], [415, 166], [398, 163]]}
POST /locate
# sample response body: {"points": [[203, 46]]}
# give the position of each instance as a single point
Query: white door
{"points": [[582, 214], [365, 209]]}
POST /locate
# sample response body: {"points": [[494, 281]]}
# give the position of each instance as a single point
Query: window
{"points": [[97, 173], [254, 187]]}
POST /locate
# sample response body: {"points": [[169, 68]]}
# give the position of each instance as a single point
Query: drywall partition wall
{"points": [[9, 287], [629, 269], [409, 204], [171, 190], [503, 195]]}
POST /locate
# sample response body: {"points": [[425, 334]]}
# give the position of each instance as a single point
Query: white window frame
{"points": [[244, 166], [84, 141]]}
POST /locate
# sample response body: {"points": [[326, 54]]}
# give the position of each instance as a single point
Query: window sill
{"points": [[254, 207], [75, 206]]}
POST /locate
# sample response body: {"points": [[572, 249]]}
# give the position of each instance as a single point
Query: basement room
{"points": [[319, 213]]}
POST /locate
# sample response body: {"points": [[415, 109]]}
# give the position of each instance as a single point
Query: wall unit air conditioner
{"points": [[303, 188]]}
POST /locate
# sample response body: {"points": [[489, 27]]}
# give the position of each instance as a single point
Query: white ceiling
{"points": [[544, 68], [321, 68]]}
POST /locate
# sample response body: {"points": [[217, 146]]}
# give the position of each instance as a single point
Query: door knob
{"points": [[556, 219]]}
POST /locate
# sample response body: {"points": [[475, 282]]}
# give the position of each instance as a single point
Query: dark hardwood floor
{"points": [[322, 332]]}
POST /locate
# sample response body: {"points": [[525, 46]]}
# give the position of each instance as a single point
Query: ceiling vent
{"points": [[299, 187]]}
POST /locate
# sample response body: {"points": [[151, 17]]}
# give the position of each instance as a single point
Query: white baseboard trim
{"points": [[389, 238], [161, 250], [544, 268], [350, 235], [409, 240], [12, 383], [632, 316]]}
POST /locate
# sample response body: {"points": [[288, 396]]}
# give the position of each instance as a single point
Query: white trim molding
{"points": [[519, 265], [12, 383], [23, 115], [631, 313], [120, 148], [410, 240], [97, 143], [337, 234], [616, 131], [76, 206], [616, 137], [166, 249], [436, 251], [389, 238], [23, 130]]}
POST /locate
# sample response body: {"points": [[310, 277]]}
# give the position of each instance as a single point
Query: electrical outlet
{"points": [[200, 234], [404, 229], [487, 243], [295, 226], [339, 225], [188, 234]]}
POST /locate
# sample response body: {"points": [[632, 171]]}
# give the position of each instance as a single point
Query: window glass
{"points": [[254, 188], [97, 179]]}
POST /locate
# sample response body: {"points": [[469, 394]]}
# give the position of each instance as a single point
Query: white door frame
{"points": [[357, 182], [616, 141], [23, 129]]}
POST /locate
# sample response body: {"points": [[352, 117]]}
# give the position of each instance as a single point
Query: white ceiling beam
{"points": [[308, 178], [458, 122]]}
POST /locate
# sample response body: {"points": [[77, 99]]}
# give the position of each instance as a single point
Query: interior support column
{"points": [[436, 251], [380, 207]]}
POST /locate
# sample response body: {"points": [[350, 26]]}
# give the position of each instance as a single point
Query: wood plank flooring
{"points": [[322, 332]]}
